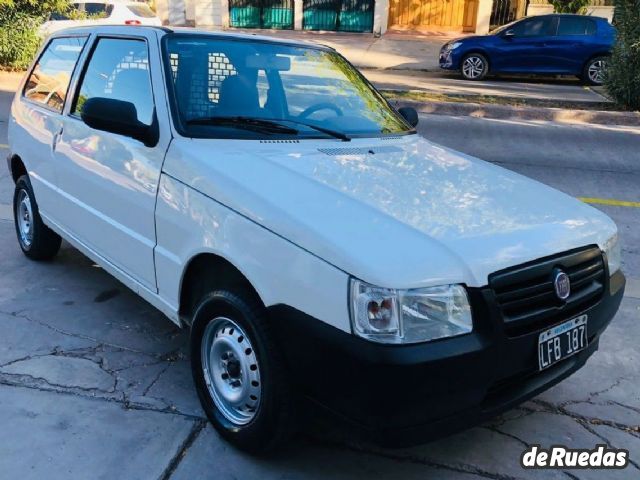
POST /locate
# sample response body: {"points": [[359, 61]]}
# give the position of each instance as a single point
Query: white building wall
{"points": [[208, 13]]}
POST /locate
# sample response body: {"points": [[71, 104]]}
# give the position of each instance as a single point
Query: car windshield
{"points": [[285, 90]]}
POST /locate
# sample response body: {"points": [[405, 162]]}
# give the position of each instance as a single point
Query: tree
{"points": [[19, 21], [623, 74], [35, 8], [568, 6]]}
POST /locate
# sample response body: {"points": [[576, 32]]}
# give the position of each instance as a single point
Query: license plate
{"points": [[562, 341]]}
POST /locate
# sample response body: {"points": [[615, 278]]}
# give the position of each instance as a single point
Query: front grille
{"points": [[526, 294]]}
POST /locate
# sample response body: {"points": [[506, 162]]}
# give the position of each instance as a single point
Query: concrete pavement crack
{"points": [[196, 429], [509, 435], [581, 419], [74, 335], [120, 401], [606, 440], [26, 376], [157, 377], [410, 458]]}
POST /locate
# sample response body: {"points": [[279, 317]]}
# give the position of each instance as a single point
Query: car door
{"points": [[110, 180], [37, 116], [573, 43], [521, 49]]}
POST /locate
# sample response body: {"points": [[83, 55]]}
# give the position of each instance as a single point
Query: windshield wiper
{"points": [[265, 124], [250, 123], [334, 133]]}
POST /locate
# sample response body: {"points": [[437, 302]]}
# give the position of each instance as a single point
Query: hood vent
{"points": [[279, 141], [334, 152]]}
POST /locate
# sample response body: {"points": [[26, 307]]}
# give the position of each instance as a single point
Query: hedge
{"points": [[19, 38]]}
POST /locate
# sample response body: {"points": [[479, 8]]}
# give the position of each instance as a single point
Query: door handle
{"points": [[56, 138]]}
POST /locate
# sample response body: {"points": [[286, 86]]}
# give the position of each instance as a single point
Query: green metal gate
{"points": [[338, 15], [277, 14]]}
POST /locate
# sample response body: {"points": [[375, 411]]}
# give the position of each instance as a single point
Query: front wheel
{"points": [[239, 373], [475, 66], [36, 240], [594, 70]]}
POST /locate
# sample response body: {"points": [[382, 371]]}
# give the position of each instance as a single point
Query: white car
{"points": [[105, 12], [264, 194]]}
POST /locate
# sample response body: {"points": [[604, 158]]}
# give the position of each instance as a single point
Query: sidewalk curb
{"points": [[506, 112]]}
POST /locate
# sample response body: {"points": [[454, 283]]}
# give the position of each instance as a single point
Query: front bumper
{"points": [[406, 394], [449, 59]]}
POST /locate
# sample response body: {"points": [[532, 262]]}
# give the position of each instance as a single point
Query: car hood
{"points": [[400, 213], [469, 38]]}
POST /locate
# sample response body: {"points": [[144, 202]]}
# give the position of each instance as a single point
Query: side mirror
{"points": [[410, 115], [509, 34], [118, 116]]}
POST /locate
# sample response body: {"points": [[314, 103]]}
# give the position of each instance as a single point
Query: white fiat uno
{"points": [[264, 194]]}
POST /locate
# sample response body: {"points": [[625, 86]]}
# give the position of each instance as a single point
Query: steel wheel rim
{"points": [[596, 71], [231, 370], [472, 67], [24, 217]]}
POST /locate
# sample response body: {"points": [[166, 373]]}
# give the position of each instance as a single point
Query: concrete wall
{"points": [[483, 21], [208, 13]]}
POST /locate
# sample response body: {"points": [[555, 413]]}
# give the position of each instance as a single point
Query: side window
{"points": [[576, 26], [119, 69], [533, 28], [49, 80]]}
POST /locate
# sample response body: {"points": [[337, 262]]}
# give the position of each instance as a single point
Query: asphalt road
{"points": [[95, 383]]}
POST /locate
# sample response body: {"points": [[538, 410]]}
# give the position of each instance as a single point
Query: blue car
{"points": [[557, 44]]}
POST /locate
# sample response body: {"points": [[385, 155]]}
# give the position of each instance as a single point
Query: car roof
{"points": [[591, 17], [229, 35]]}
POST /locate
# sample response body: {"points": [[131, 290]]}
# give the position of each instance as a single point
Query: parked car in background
{"points": [[559, 44], [263, 193], [109, 12]]}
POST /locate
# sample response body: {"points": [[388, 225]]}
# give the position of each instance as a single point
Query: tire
{"points": [[594, 69], [252, 408], [37, 241], [474, 66]]}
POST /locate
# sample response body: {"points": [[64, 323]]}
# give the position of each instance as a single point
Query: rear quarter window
{"points": [[49, 80], [576, 26]]}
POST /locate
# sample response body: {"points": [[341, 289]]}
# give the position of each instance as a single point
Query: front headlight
{"points": [[451, 46], [614, 254], [409, 316]]}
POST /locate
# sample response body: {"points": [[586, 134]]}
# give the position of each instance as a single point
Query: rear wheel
{"points": [[475, 66], [594, 71], [239, 373], [36, 240]]}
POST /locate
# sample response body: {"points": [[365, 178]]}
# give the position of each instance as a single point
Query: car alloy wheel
{"points": [[596, 71], [231, 370], [473, 67]]}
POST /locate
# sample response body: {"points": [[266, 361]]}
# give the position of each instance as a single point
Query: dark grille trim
{"points": [[525, 293]]}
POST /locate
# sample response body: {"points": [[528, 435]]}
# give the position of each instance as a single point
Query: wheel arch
{"points": [[204, 272], [18, 168], [594, 55]]}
